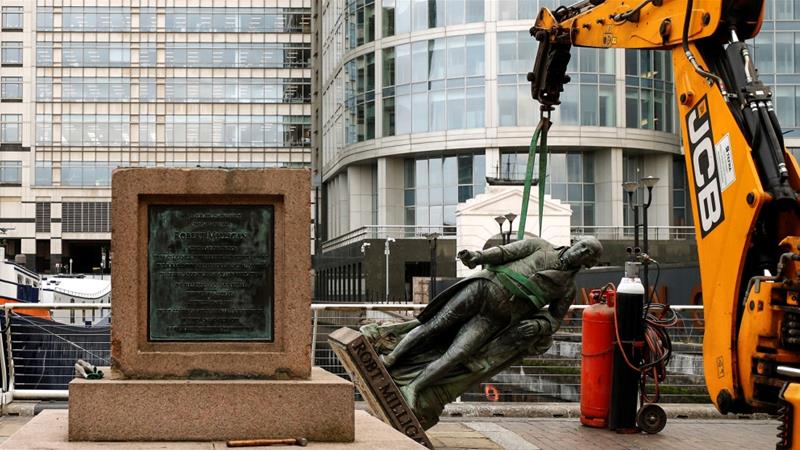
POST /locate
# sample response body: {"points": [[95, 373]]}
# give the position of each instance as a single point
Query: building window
{"points": [[147, 19], [43, 217], [11, 173], [99, 129], [43, 175], [96, 18], [429, 86], [359, 23], [238, 131], [236, 20], [681, 203], [649, 98], [44, 129], [11, 54], [359, 99], [435, 186], [570, 178], [11, 128], [147, 55], [238, 90], [403, 16], [522, 9], [87, 173], [44, 89], [589, 99], [89, 54], [278, 55], [147, 130], [12, 18], [95, 89], [11, 89], [44, 18], [44, 54], [147, 89]]}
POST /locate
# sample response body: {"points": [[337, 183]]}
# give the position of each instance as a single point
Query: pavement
{"points": [[701, 430]]}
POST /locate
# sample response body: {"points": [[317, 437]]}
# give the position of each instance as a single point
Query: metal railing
{"points": [[385, 231], [655, 233], [420, 232], [40, 354], [553, 376]]}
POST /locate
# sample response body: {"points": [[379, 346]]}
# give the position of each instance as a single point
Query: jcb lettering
{"points": [[704, 168]]}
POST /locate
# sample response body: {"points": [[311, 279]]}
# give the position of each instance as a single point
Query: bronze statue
{"points": [[484, 323]]}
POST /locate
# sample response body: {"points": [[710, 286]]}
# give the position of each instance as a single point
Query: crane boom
{"points": [[744, 184]]}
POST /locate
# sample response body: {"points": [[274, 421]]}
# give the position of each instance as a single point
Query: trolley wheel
{"points": [[651, 418]]}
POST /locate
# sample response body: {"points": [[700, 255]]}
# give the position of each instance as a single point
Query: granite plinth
{"points": [[286, 353], [319, 409], [48, 430]]}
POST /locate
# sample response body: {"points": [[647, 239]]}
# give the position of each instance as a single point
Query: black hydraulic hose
{"points": [[776, 125], [777, 153], [688, 51]]}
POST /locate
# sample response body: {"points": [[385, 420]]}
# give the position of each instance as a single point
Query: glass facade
{"points": [[359, 99], [570, 178], [435, 186], [405, 16], [649, 91], [360, 23], [434, 85], [239, 20], [681, 202]]}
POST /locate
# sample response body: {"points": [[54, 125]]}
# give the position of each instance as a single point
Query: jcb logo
{"points": [[705, 174]]}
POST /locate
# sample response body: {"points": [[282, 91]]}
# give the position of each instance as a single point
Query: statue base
{"points": [[375, 384]]}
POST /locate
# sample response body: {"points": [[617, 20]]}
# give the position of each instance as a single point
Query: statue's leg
{"points": [[464, 305], [469, 340]]}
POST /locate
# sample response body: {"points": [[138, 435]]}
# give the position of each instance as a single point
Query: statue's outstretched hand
{"points": [[530, 328], [468, 258]]}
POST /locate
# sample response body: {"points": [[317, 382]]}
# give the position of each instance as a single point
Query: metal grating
{"points": [[86, 217], [43, 217]]}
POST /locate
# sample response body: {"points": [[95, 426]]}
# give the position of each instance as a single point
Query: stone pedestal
{"points": [[319, 409], [211, 333]]}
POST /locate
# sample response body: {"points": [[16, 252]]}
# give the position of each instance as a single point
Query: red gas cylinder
{"points": [[597, 358]]}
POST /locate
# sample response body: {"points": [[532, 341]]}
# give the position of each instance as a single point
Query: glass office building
{"points": [[90, 86], [422, 100]]}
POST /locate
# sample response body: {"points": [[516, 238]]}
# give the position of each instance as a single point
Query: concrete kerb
{"points": [[572, 410]]}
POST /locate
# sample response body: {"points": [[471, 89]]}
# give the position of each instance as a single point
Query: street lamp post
{"points": [[510, 217], [364, 247], [630, 187], [500, 221], [386, 252], [432, 237]]}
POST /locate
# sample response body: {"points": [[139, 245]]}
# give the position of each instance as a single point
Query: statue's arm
{"points": [[502, 254], [548, 321]]}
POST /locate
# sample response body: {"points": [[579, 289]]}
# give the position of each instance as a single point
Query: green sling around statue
{"points": [[484, 323]]}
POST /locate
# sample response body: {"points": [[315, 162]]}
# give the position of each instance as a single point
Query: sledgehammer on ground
{"points": [[302, 442]]}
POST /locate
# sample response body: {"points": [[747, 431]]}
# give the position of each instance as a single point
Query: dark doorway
{"points": [[415, 269], [86, 256], [42, 264]]}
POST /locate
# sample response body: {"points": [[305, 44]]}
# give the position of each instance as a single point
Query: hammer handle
{"points": [[259, 442]]}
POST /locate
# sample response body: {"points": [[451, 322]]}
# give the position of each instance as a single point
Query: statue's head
{"points": [[583, 253]]}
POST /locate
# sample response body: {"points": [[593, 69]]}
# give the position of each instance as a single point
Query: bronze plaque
{"points": [[210, 272]]}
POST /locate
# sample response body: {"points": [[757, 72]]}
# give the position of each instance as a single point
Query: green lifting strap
{"points": [[534, 150], [519, 285]]}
